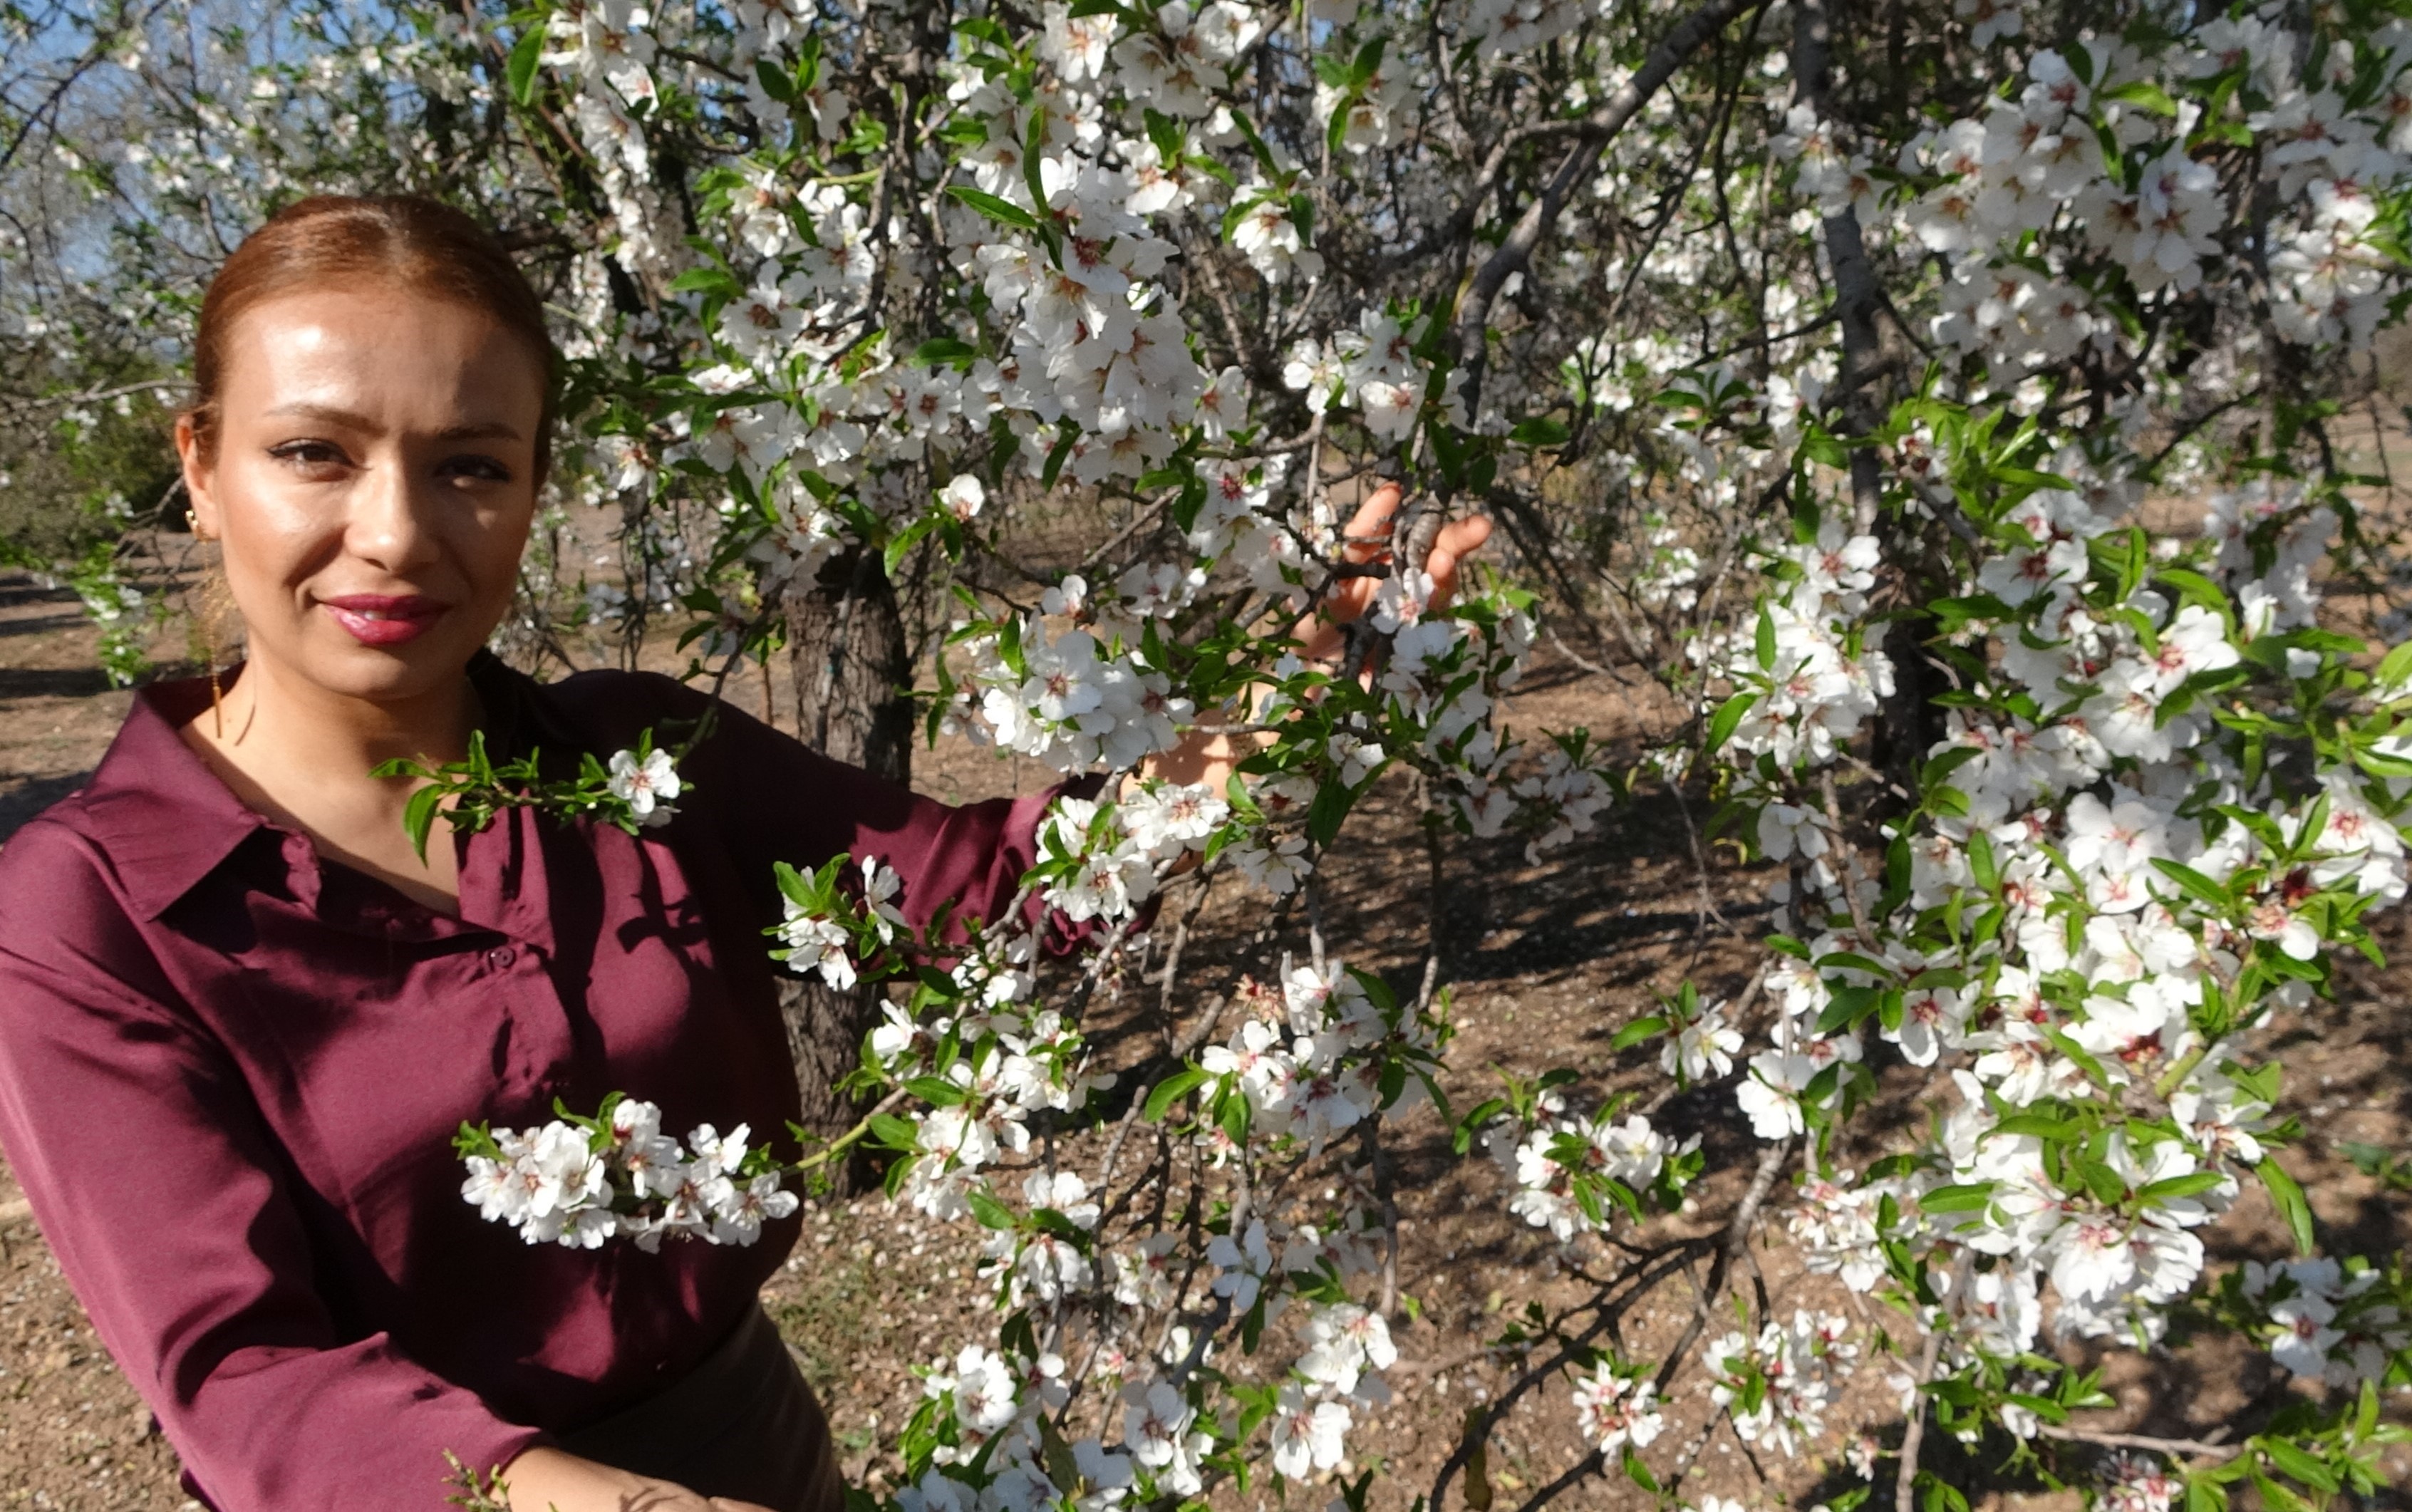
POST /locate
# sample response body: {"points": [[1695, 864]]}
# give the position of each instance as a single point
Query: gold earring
{"points": [[193, 524]]}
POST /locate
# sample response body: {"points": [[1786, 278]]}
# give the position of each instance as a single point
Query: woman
{"points": [[240, 1016]]}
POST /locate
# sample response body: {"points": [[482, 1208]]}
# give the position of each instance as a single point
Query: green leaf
{"points": [[1540, 431], [893, 1133], [1969, 1196], [2046, 1126], [1171, 1089], [519, 69], [1637, 1031], [2201, 888], [1852, 960], [946, 350], [707, 281], [418, 816], [776, 82], [2145, 93], [1003, 212], [1057, 455], [1728, 719], [1329, 810], [1638, 1473], [2288, 1197], [902, 544], [2295, 1462], [2181, 1186], [2395, 668], [987, 1209], [1763, 641], [936, 1091], [1850, 1005], [2204, 1494]]}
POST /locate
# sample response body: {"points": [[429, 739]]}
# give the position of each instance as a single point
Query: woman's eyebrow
{"points": [[336, 414], [478, 430], [330, 414]]}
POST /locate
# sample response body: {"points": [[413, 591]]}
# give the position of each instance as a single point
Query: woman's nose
{"points": [[392, 516]]}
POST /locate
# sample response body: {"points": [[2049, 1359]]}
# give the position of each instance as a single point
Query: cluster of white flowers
{"points": [[1616, 1406], [2035, 166], [1059, 1269], [1808, 688], [2328, 1323], [816, 939], [1562, 1161], [1777, 1383], [1063, 699], [1151, 826], [623, 1178], [608, 47], [1309, 1059], [1374, 367], [2074, 823]]}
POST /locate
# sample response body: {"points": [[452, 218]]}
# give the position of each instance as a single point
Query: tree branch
{"points": [[1513, 254], [1856, 299]]}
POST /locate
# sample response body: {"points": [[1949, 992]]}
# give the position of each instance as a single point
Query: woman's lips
{"points": [[383, 618]]}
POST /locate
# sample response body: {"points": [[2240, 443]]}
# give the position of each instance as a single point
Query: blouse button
{"points": [[500, 957]]}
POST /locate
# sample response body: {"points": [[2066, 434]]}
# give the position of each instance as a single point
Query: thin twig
{"points": [[2203, 1448]]}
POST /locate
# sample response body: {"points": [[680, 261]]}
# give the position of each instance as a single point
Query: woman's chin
{"points": [[399, 672]]}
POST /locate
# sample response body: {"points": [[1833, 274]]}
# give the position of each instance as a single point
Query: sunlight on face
{"points": [[373, 483]]}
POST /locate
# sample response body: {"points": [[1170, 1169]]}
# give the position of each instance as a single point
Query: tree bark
{"points": [[852, 677]]}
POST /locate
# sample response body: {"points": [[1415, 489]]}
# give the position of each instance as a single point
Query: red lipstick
{"points": [[384, 619]]}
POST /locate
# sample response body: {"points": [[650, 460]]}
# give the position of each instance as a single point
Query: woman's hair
{"points": [[392, 240]]}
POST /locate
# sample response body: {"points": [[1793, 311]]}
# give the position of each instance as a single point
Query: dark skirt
{"points": [[742, 1425]]}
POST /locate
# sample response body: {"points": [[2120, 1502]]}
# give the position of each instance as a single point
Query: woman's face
{"points": [[373, 484]]}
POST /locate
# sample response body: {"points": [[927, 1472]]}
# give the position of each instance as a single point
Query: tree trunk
{"points": [[846, 650], [1908, 723]]}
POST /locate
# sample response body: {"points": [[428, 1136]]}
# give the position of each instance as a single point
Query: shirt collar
{"points": [[167, 820], [154, 806]]}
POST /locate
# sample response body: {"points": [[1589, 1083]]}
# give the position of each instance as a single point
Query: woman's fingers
{"points": [[1369, 528], [1457, 540], [1368, 536]]}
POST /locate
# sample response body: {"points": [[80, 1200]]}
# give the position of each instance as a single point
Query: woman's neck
{"points": [[270, 719], [301, 755]]}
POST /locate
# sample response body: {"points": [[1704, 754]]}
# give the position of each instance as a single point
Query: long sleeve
{"points": [[776, 799], [176, 1217]]}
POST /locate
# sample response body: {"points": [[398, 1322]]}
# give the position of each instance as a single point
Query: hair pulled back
{"points": [[385, 241]]}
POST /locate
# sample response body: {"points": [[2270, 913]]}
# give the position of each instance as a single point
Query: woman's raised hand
{"points": [[1367, 543], [1207, 757]]}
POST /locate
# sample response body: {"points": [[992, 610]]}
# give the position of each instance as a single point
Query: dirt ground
{"points": [[1547, 963]]}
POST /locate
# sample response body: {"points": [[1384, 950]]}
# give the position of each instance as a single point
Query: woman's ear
{"points": [[198, 477]]}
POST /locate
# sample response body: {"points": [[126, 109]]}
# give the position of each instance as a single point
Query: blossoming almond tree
{"points": [[1945, 413]]}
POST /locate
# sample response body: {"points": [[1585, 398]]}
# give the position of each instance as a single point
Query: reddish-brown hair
{"points": [[393, 240]]}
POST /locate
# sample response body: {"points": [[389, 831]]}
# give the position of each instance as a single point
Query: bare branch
{"points": [[1513, 254]]}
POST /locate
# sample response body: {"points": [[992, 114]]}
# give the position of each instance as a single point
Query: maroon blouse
{"points": [[231, 1071]]}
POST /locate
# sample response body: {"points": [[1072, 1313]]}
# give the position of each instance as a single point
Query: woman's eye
{"points": [[484, 469], [309, 456]]}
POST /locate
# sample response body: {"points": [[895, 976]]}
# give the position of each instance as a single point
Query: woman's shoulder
{"points": [[65, 904], [604, 696], [58, 865], [54, 847], [598, 710]]}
